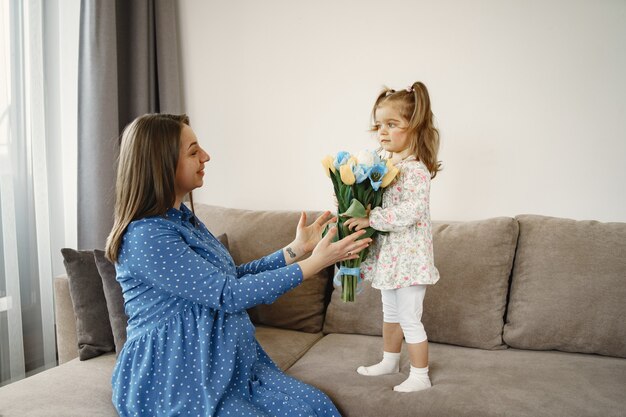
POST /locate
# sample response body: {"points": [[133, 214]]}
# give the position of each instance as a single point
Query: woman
{"points": [[191, 348]]}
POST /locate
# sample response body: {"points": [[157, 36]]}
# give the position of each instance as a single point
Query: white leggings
{"points": [[404, 306]]}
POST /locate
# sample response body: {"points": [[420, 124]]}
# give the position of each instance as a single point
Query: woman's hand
{"points": [[357, 223], [327, 252], [307, 237]]}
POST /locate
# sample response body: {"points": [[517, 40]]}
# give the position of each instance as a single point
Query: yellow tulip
{"points": [[392, 172], [328, 164], [347, 176]]}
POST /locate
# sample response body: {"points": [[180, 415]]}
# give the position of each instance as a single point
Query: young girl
{"points": [[400, 263], [191, 348]]}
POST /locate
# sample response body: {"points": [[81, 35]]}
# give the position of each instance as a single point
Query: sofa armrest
{"points": [[67, 341]]}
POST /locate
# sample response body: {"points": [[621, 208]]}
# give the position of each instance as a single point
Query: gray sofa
{"points": [[528, 319]]}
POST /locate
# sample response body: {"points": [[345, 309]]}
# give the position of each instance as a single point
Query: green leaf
{"points": [[328, 226], [359, 191], [344, 231], [363, 254], [378, 199], [347, 193], [356, 209], [368, 233]]}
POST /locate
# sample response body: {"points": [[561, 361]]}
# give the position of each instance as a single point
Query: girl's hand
{"points": [[327, 252], [357, 223]]}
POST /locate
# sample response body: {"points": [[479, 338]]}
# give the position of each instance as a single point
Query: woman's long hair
{"points": [[414, 106], [146, 172]]}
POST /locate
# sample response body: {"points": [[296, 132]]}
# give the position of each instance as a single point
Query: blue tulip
{"points": [[341, 158], [376, 174], [361, 172]]}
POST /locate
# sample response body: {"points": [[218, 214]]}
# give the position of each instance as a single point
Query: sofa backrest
{"points": [[568, 288], [564, 282], [467, 306]]}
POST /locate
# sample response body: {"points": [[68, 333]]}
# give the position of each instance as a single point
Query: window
{"points": [[32, 173]]}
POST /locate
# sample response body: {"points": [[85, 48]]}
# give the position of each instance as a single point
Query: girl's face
{"points": [[191, 159], [391, 129]]}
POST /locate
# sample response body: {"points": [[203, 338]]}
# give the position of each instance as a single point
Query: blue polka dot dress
{"points": [[191, 348]]}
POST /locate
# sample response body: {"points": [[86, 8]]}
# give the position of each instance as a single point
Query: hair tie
{"points": [[409, 89]]}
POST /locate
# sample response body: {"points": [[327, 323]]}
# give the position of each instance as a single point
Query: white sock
{"points": [[418, 380], [389, 365]]}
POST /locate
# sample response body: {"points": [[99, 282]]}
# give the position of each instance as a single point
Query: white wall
{"points": [[529, 96]]}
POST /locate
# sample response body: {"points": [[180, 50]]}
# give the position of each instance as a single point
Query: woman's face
{"points": [[191, 159]]}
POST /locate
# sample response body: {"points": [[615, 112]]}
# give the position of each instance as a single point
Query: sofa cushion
{"points": [[568, 290], [362, 316], [466, 382], [254, 234], [93, 328], [284, 346], [114, 298], [300, 309], [467, 306], [74, 389], [84, 388]]}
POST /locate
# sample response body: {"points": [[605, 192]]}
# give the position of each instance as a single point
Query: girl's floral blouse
{"points": [[404, 256]]}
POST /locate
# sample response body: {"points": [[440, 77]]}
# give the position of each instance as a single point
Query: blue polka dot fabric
{"points": [[191, 348]]}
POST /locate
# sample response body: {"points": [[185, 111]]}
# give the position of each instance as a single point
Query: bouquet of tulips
{"points": [[358, 182]]}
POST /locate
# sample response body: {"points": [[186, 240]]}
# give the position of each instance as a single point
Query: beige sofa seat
{"points": [[64, 391], [77, 386], [86, 385], [284, 346], [466, 381]]}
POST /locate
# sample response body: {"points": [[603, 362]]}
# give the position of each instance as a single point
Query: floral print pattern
{"points": [[404, 256]]}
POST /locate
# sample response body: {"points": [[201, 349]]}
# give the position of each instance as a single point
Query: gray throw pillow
{"points": [[114, 299], [92, 319]]}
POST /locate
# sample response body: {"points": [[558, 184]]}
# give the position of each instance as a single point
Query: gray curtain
{"points": [[127, 66]]}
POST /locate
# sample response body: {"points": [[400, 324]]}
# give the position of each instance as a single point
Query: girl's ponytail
{"points": [[421, 123]]}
